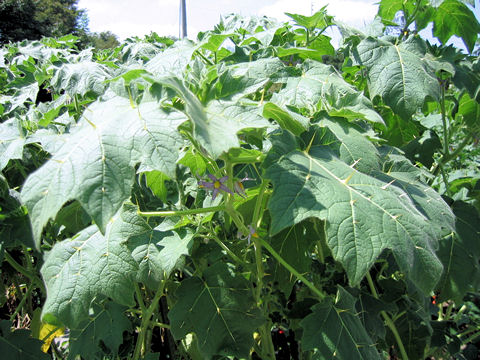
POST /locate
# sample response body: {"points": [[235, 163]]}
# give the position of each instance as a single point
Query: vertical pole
{"points": [[183, 19]]}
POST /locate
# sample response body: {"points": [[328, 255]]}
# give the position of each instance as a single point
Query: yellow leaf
{"points": [[48, 333]]}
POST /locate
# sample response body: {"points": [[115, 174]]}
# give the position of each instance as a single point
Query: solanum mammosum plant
{"points": [[253, 194]]}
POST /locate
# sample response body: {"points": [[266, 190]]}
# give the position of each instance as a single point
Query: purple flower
{"points": [[215, 185], [252, 233], [239, 188]]}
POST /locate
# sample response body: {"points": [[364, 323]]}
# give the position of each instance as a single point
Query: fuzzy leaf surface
{"points": [[365, 214], [89, 265], [95, 164], [156, 252], [81, 78], [321, 87], [398, 73]]}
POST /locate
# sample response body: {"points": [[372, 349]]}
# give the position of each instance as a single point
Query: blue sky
{"points": [[136, 18]]}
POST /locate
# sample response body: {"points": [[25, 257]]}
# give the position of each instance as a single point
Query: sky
{"points": [[127, 18]]}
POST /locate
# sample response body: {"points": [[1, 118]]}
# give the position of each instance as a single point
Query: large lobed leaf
{"points": [[334, 331], [87, 266], [80, 78], [92, 265], [103, 329], [398, 73], [453, 17], [95, 164], [320, 87], [219, 309], [366, 212], [217, 123]]}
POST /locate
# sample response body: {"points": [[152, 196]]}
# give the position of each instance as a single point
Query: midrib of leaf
{"points": [[354, 231], [350, 189], [219, 312], [91, 320], [404, 84], [102, 150]]}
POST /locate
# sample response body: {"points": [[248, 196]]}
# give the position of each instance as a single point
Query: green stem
{"points": [[471, 338], [180, 212], [227, 250], [444, 122], [468, 332], [31, 276], [146, 321], [160, 325], [292, 270], [77, 106], [257, 216], [207, 60], [24, 299], [139, 298], [388, 320], [445, 180], [459, 149]]}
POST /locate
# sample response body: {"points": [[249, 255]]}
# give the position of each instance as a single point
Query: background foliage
{"points": [[255, 193]]}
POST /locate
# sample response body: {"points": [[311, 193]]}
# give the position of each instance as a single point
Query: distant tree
{"points": [[58, 17], [17, 21], [103, 40], [30, 19]]}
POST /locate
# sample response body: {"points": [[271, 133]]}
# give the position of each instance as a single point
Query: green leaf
{"points": [[219, 309], [294, 245], [453, 17], [212, 41], [19, 344], [467, 76], [399, 74], [105, 326], [156, 183], [80, 269], [194, 161], [422, 149], [287, 119], [460, 254], [156, 252], [216, 125], [95, 163], [389, 8], [241, 79], [318, 20], [365, 214], [334, 330], [321, 88], [469, 109], [15, 227], [354, 147], [173, 60], [80, 78]]}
